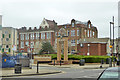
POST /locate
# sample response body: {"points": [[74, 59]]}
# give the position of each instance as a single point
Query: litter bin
{"points": [[118, 63], [107, 61], [82, 62], [18, 68], [102, 61]]}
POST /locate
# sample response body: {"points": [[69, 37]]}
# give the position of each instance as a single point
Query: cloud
{"points": [[18, 13]]}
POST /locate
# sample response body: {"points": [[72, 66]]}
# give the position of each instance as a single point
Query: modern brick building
{"points": [[30, 40], [9, 39], [96, 46], [77, 30], [0, 32]]}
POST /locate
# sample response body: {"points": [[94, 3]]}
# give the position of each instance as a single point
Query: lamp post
{"points": [[88, 50], [30, 55], [112, 23]]}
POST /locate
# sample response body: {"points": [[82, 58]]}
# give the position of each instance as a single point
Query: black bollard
{"points": [[110, 62], [37, 67], [60, 62], [102, 62], [54, 62]]}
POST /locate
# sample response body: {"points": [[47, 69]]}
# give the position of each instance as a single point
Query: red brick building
{"points": [[77, 30], [96, 46], [30, 40]]}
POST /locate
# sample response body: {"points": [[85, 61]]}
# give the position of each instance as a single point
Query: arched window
{"points": [[88, 33], [72, 24], [89, 26]]}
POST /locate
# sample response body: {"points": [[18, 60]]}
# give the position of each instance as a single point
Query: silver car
{"points": [[111, 73]]}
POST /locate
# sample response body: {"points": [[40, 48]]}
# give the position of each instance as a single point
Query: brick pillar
{"points": [[66, 49], [58, 50]]}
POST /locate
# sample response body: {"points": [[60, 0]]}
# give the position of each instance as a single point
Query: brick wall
{"points": [[94, 49]]}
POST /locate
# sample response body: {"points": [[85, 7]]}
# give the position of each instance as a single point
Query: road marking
{"points": [[85, 76]]}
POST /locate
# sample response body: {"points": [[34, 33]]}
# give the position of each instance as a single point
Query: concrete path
{"points": [[9, 72], [86, 66]]}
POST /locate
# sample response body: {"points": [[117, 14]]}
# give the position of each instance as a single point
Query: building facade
{"points": [[94, 46], [9, 40], [0, 33], [77, 30], [30, 40]]}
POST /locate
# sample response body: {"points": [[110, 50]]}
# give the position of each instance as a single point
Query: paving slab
{"points": [[9, 72]]}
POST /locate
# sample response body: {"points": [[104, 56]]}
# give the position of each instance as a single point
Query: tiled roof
{"points": [[94, 40]]}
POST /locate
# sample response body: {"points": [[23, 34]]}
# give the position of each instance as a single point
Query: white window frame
{"points": [[68, 32], [72, 32], [72, 42], [27, 43], [78, 32], [31, 44], [89, 26], [88, 33], [48, 35], [73, 24], [26, 37], [43, 35], [85, 32], [23, 36], [93, 33], [33, 35], [77, 41], [22, 44]]}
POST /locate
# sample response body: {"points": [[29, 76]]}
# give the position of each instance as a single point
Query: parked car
{"points": [[111, 73]]}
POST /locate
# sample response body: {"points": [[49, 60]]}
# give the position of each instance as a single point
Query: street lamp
{"points": [[88, 50], [112, 23], [30, 55]]}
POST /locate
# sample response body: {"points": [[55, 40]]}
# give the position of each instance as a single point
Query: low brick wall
{"points": [[44, 58]]}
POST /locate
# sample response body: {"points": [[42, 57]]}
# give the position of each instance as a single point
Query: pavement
{"points": [[86, 66], [9, 72]]}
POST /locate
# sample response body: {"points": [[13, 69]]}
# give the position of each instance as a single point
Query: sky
{"points": [[30, 13]]}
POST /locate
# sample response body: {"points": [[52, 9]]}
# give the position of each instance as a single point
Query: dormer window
{"points": [[89, 26], [72, 24]]}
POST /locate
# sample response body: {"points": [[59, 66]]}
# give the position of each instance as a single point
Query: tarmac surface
{"points": [[45, 69]]}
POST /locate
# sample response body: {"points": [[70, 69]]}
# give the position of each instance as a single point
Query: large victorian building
{"points": [[77, 30], [30, 40]]}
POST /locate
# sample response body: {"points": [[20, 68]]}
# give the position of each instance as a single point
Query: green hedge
{"points": [[88, 59]]}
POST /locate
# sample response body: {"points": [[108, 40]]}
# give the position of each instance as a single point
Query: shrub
{"points": [[88, 59]]}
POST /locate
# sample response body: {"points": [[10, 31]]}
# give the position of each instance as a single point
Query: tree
{"points": [[46, 47]]}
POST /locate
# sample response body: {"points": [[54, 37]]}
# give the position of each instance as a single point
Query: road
{"points": [[66, 73]]}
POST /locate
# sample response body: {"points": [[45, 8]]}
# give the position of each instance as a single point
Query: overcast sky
{"points": [[18, 13]]}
